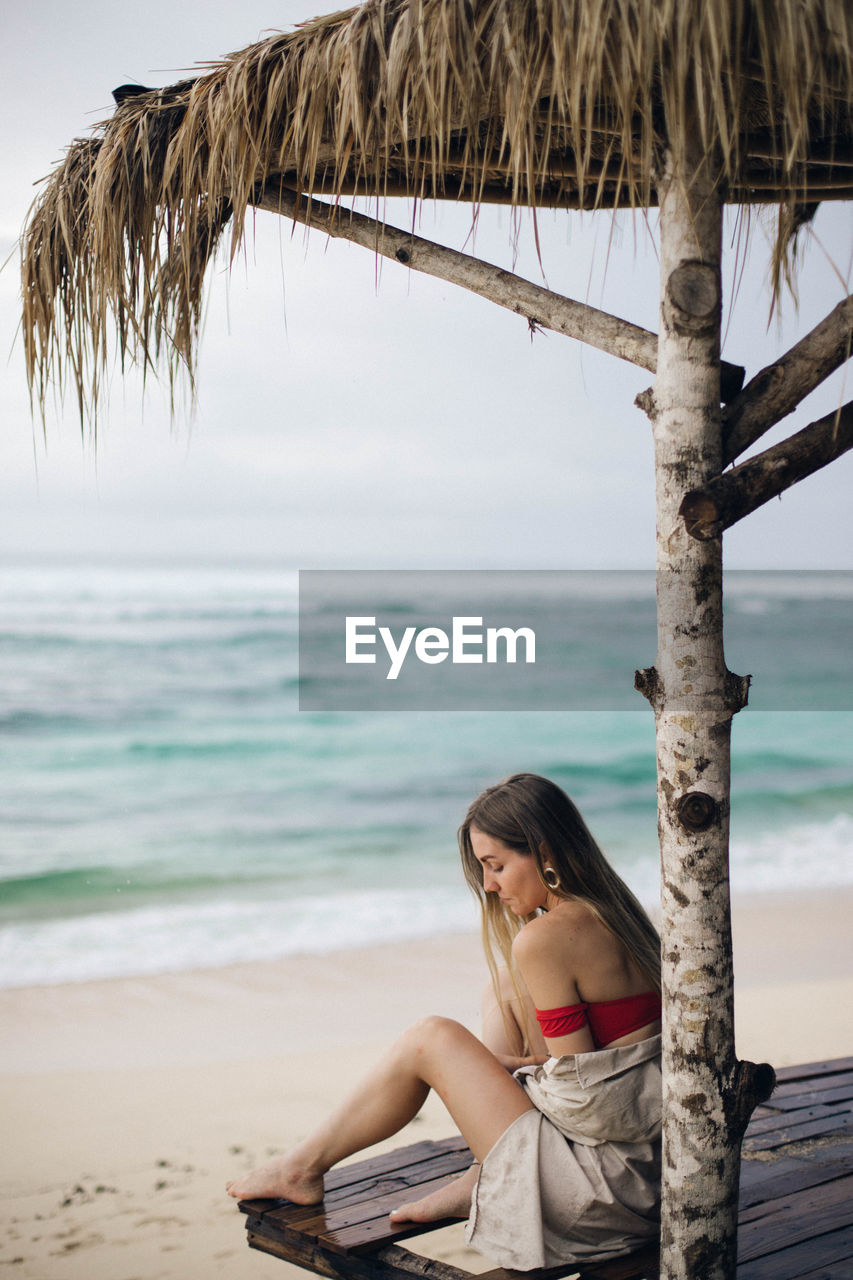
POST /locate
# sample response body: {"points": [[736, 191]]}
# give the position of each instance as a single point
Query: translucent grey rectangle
{"points": [[444, 640]]}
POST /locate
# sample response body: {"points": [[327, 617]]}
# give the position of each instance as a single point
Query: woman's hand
{"points": [[512, 1063]]}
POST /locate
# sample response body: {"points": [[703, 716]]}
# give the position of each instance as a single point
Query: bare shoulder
{"points": [[575, 915], [531, 937], [565, 932], [569, 933], [551, 952]]}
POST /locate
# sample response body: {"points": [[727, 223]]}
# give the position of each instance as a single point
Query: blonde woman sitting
{"points": [[560, 1102]]}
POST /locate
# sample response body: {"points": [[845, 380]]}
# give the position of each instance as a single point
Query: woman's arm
{"points": [[511, 1063]]}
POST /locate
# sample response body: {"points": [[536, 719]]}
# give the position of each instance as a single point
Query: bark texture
{"points": [[707, 1095]]}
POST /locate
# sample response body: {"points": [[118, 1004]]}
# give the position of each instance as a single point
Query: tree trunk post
{"points": [[694, 698]]}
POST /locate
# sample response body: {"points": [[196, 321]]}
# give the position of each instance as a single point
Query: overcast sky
{"points": [[355, 416]]}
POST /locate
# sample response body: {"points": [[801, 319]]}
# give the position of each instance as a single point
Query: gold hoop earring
{"points": [[553, 883]]}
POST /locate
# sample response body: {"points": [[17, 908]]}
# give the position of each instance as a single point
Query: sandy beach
{"points": [[127, 1103]]}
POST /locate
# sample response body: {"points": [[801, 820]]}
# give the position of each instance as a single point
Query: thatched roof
{"points": [[559, 103]]}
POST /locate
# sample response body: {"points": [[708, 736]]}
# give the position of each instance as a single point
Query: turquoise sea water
{"points": [[165, 805]]}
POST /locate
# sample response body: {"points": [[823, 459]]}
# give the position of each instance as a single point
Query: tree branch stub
{"points": [[646, 682], [697, 811], [693, 298]]}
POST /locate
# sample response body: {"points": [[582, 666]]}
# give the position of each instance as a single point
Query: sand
{"points": [[127, 1103]]}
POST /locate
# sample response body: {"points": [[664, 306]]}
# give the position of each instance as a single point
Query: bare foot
{"points": [[282, 1179], [452, 1201]]}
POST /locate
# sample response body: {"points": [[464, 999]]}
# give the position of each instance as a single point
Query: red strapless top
{"points": [[608, 1019]]}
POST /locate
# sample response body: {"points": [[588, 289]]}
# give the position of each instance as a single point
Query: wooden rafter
{"points": [[777, 390], [709, 511], [539, 306]]}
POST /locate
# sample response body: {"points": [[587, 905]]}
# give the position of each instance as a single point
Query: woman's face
{"points": [[513, 876]]}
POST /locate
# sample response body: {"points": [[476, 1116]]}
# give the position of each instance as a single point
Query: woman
{"points": [[560, 1102]]}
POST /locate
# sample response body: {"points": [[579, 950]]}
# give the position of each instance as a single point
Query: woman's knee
{"points": [[433, 1032]]}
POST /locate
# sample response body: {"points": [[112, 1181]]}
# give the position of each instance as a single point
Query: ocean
{"points": [[167, 806]]}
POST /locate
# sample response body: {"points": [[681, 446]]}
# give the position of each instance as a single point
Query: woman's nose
{"points": [[489, 883]]}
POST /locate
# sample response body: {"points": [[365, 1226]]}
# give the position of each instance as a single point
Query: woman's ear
{"points": [[544, 854]]}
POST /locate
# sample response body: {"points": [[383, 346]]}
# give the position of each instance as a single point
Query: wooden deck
{"points": [[796, 1200], [796, 1203]]}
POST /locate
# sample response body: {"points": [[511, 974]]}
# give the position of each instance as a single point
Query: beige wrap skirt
{"points": [[579, 1176]]}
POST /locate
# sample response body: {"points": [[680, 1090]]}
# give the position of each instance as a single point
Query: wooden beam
{"points": [[418, 158], [389, 1263], [458, 187], [805, 185], [709, 511], [834, 155], [539, 306], [550, 192], [777, 390], [741, 193]]}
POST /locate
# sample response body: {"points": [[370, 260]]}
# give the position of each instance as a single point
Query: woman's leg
{"points": [[437, 1053], [504, 1036]]}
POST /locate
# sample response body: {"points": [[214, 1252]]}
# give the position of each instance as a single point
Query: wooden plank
{"points": [[356, 1228], [807, 1070], [363, 1192], [403, 1160], [801, 1115], [827, 1081], [831, 1250], [797, 1218], [755, 1171], [361, 1239], [790, 1102], [835, 1093], [797, 1132], [841, 1270], [391, 1264], [397, 1158], [832, 1148], [799, 1200], [405, 1177], [412, 1264], [778, 1182], [365, 1237], [269, 1244]]}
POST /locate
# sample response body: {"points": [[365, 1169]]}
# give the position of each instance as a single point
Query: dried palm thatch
{"points": [[561, 103]]}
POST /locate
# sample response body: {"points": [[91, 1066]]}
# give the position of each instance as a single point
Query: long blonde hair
{"points": [[536, 818]]}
